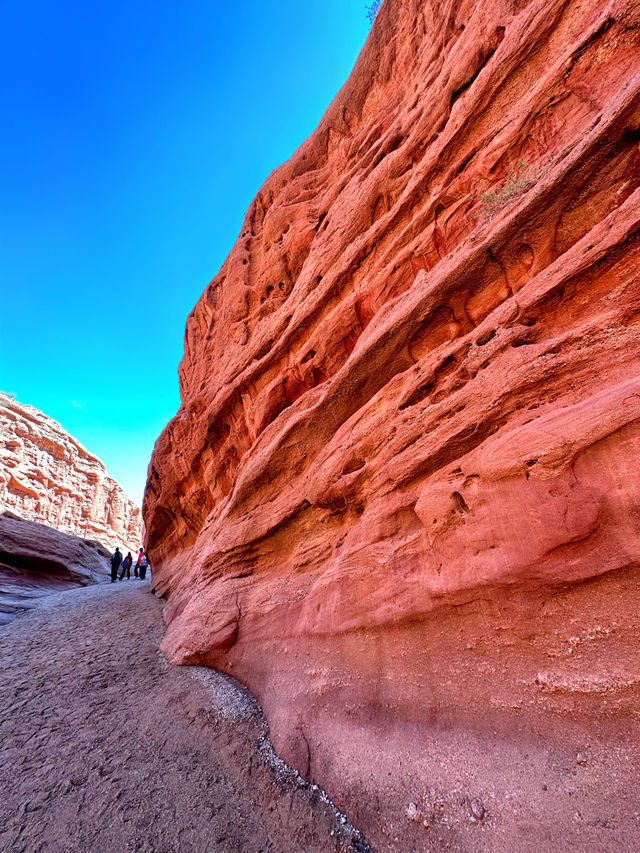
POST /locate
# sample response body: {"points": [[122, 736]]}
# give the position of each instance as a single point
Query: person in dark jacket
{"points": [[116, 562], [126, 566]]}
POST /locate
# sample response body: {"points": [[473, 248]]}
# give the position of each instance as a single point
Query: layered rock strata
{"points": [[36, 561], [47, 476], [401, 492]]}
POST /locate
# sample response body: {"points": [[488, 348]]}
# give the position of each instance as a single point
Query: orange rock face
{"points": [[401, 498], [49, 477]]}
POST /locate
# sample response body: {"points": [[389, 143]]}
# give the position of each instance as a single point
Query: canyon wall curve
{"points": [[401, 492]]}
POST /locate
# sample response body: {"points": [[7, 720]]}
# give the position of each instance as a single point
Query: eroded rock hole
{"points": [[521, 342], [632, 136], [418, 396], [486, 337], [459, 503], [353, 465]]}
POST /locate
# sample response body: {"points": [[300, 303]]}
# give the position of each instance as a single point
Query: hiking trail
{"points": [[105, 747]]}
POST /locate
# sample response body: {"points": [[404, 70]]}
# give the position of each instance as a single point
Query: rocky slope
{"points": [[36, 561], [400, 498], [49, 477]]}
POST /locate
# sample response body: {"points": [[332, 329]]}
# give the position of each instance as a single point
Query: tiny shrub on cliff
{"points": [[372, 11], [519, 178]]}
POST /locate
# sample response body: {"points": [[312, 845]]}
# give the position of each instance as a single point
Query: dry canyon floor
{"points": [[106, 748]]}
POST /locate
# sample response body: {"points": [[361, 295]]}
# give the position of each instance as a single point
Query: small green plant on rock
{"points": [[519, 178]]}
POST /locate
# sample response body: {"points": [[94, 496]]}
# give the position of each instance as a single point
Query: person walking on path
{"points": [[126, 566], [138, 562], [116, 561], [144, 564]]}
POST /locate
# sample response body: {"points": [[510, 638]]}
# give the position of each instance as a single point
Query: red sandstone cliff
{"points": [[400, 499], [49, 477]]}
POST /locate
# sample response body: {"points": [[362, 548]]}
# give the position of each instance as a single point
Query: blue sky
{"points": [[133, 136]]}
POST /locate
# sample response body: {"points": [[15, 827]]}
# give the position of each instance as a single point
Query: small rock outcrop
{"points": [[400, 497], [36, 561], [46, 475]]}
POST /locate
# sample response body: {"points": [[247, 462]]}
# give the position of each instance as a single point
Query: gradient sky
{"points": [[133, 136]]}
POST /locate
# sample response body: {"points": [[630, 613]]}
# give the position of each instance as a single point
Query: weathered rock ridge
{"points": [[49, 477], [36, 560], [401, 493]]}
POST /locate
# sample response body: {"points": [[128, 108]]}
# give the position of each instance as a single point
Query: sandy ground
{"points": [[104, 747]]}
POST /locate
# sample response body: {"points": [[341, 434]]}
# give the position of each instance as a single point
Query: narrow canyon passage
{"points": [[104, 747]]}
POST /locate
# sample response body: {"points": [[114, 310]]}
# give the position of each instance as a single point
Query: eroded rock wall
{"points": [[401, 491], [49, 477], [36, 561]]}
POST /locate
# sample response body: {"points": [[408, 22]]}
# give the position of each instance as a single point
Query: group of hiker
{"points": [[118, 562]]}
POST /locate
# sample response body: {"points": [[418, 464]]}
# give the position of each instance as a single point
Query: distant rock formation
{"points": [[46, 475], [36, 561], [401, 493]]}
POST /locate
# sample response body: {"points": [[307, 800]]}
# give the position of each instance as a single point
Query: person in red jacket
{"points": [[138, 561]]}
